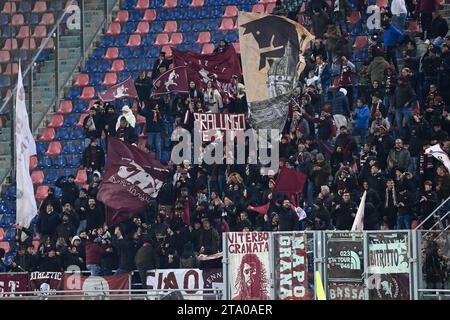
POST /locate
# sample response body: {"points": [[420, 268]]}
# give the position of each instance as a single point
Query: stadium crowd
{"points": [[357, 126]]}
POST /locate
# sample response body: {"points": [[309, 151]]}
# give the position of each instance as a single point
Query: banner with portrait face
{"points": [[345, 266], [13, 282], [291, 267], [248, 265], [388, 266]]}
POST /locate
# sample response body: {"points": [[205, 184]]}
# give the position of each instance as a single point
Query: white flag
{"points": [[437, 152], [25, 148], [358, 224]]}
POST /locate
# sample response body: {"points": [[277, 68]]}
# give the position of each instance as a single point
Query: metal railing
{"points": [[434, 214]]}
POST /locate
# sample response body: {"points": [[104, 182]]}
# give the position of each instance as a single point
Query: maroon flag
{"points": [[173, 80], [131, 180], [125, 89], [261, 209], [219, 67], [291, 183]]}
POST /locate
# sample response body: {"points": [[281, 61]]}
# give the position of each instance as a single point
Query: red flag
{"points": [[219, 67], [125, 89], [261, 209], [291, 183], [131, 180], [173, 80]]}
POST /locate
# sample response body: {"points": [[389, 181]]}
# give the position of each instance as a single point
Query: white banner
{"points": [[25, 148], [387, 258]]}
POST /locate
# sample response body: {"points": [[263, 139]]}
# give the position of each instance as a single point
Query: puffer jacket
{"points": [[377, 69]]}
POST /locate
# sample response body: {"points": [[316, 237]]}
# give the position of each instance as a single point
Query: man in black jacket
{"points": [[25, 261], [439, 26], [143, 86], [161, 64], [50, 262], [155, 126], [288, 217], [126, 133], [69, 189], [126, 250], [95, 216], [93, 157], [47, 222], [66, 229], [146, 259], [345, 213]]}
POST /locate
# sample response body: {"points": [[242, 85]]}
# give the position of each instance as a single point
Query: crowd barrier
{"points": [[369, 265]]}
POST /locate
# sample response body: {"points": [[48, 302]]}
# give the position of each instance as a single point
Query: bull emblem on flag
{"points": [[170, 82], [120, 92]]}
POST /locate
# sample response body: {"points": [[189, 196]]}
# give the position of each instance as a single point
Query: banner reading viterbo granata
{"points": [[248, 265], [291, 267]]}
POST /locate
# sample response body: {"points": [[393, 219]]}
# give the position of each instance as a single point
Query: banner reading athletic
{"points": [[248, 266]]}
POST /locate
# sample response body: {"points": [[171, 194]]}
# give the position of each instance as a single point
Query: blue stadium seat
{"points": [[62, 134], [58, 192], [135, 15], [212, 25], [79, 106], [157, 27], [95, 79], [128, 4], [143, 64], [9, 32], [90, 66], [5, 81], [70, 120], [190, 38], [55, 5], [184, 3], [156, 4], [34, 19], [41, 148], [73, 94], [59, 162], [121, 40], [7, 221], [131, 65], [51, 176], [76, 161], [193, 13], [154, 51], [79, 147], [10, 235], [185, 26], [68, 171], [129, 27], [198, 26], [77, 133], [124, 53], [139, 52], [45, 162], [246, 7], [4, 208], [4, 20], [217, 36], [98, 53], [43, 56], [106, 42], [148, 40], [68, 148], [103, 65], [24, 7], [123, 76], [231, 36], [180, 15]]}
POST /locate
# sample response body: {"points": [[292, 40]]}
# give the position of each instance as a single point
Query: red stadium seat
{"points": [[208, 48], [382, 3], [167, 50], [81, 121], [54, 148], [134, 40], [11, 69], [28, 44], [143, 27], [170, 4], [47, 134], [33, 163], [40, 7], [81, 177], [37, 177], [17, 19], [110, 79], [65, 107], [270, 7], [9, 7], [88, 93], [40, 32], [226, 24], [204, 37], [24, 32], [41, 193], [56, 121], [111, 53], [117, 65], [170, 26], [4, 56], [122, 16], [48, 45], [149, 15], [197, 3], [176, 39], [47, 19], [81, 80], [114, 29], [231, 11], [142, 4], [360, 42], [162, 39], [10, 44], [258, 8]]}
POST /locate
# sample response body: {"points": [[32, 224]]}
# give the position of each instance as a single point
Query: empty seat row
{"points": [[38, 177], [59, 162], [18, 19], [24, 32], [27, 44], [25, 6]]}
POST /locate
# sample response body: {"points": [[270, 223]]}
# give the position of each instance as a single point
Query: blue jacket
{"points": [[362, 117], [392, 36]]}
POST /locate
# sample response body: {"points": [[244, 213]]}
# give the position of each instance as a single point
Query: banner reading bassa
{"points": [[248, 265], [291, 267]]}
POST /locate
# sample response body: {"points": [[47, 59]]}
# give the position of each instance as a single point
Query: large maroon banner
{"points": [[173, 80], [201, 68], [291, 267], [125, 89], [45, 283], [102, 285], [13, 282], [132, 180]]}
